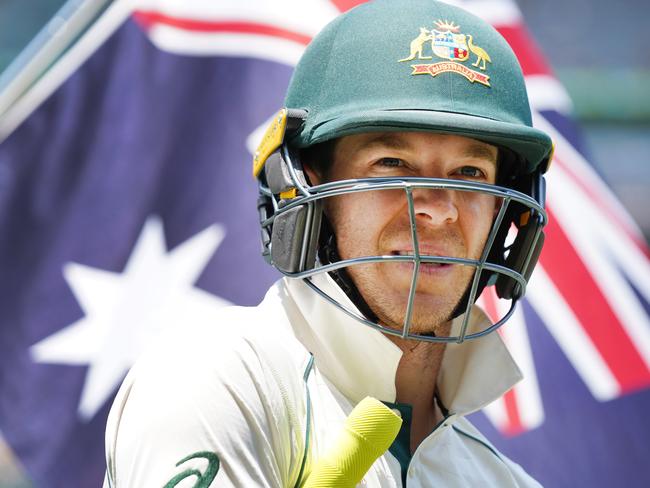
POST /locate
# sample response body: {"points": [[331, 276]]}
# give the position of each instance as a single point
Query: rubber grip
{"points": [[368, 432]]}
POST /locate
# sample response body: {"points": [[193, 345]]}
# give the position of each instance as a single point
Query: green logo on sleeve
{"points": [[203, 479]]}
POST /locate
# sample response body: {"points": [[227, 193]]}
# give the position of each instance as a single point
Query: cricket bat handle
{"points": [[368, 432]]}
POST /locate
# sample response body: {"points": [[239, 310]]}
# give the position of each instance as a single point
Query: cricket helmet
{"points": [[405, 65]]}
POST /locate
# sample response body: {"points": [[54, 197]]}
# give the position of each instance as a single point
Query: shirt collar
{"points": [[360, 361]]}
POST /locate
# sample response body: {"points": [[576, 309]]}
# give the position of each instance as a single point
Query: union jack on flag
{"points": [[146, 128]]}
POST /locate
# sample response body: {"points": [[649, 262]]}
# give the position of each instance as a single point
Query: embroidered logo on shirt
{"points": [[203, 479]]}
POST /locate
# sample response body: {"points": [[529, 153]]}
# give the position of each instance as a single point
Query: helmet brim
{"points": [[533, 145]]}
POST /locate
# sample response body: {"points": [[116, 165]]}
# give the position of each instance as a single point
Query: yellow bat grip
{"points": [[368, 432]]}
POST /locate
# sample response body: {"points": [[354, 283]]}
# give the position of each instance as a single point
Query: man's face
{"points": [[376, 223]]}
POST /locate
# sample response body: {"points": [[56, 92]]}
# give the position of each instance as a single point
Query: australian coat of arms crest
{"points": [[447, 42]]}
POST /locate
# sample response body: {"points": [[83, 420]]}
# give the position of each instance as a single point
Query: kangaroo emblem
{"points": [[417, 44], [452, 46], [481, 55]]}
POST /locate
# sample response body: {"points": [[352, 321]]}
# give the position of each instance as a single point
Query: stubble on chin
{"points": [[386, 291], [432, 311]]}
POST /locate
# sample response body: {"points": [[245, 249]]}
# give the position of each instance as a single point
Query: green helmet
{"points": [[405, 65], [374, 69]]}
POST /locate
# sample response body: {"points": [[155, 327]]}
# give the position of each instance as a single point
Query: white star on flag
{"points": [[125, 311]]}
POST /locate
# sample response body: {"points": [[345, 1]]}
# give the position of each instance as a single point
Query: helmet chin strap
{"points": [[328, 253], [461, 307]]}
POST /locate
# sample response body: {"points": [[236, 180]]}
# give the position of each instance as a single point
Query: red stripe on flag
{"points": [[574, 281], [513, 425], [489, 302], [597, 199], [345, 5], [150, 19], [530, 56]]}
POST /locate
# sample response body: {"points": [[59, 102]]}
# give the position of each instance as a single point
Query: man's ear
{"points": [[312, 175], [316, 161]]}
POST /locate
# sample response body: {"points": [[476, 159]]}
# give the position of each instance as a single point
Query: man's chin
{"points": [[436, 281], [438, 327], [424, 321], [435, 299]]}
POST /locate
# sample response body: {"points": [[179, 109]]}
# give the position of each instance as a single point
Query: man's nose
{"points": [[435, 206]]}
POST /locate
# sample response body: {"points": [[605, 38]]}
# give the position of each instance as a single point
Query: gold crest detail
{"points": [[449, 43]]}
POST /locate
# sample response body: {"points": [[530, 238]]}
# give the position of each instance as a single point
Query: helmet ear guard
{"points": [[294, 238], [523, 254], [290, 242], [524, 251]]}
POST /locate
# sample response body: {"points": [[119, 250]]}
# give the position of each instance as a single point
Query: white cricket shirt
{"points": [[255, 398]]}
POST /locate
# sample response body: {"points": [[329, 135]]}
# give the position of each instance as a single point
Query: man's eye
{"points": [[471, 172], [391, 162]]}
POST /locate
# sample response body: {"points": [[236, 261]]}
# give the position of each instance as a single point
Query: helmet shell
{"points": [[356, 76]]}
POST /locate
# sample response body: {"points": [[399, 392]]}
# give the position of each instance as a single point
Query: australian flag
{"points": [[127, 206]]}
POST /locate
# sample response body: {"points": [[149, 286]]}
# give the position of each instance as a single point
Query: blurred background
{"points": [[598, 50], [595, 48]]}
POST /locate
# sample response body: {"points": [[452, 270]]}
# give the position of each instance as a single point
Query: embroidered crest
{"points": [[447, 42]]}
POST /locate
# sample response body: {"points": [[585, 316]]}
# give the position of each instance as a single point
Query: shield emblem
{"points": [[448, 45]]}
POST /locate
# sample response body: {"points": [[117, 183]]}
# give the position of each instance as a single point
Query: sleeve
{"points": [[206, 414]]}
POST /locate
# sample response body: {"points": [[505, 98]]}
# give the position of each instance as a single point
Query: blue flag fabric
{"points": [[127, 199], [135, 133]]}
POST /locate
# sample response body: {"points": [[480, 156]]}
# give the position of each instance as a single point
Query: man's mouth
{"points": [[426, 265]]}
